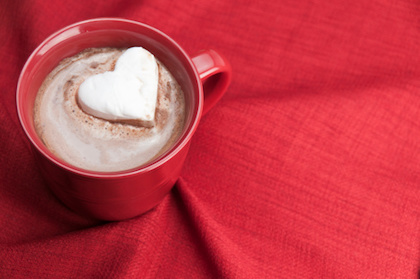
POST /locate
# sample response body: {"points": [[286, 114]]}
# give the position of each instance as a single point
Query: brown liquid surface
{"points": [[96, 144]]}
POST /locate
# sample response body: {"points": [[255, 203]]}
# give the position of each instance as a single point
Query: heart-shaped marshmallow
{"points": [[127, 93]]}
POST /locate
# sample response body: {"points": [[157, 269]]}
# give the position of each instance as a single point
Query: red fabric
{"points": [[309, 167]]}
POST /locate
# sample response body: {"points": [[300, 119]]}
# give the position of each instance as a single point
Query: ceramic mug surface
{"points": [[124, 194]]}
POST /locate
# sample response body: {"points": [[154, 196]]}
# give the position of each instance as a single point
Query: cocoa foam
{"points": [[95, 144]]}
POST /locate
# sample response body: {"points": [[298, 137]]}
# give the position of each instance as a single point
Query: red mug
{"points": [[113, 196]]}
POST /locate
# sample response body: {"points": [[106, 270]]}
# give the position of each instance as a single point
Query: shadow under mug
{"points": [[113, 196]]}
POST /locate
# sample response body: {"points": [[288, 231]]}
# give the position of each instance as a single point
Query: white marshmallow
{"points": [[127, 93]]}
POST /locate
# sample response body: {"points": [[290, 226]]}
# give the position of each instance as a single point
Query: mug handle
{"points": [[215, 73]]}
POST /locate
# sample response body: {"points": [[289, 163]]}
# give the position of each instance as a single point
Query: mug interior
{"points": [[107, 32]]}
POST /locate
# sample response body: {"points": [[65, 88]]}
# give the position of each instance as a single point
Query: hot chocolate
{"points": [[94, 143]]}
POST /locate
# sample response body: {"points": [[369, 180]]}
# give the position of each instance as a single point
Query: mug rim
{"points": [[156, 163]]}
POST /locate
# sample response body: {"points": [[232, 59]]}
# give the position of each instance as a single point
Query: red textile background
{"points": [[309, 167]]}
